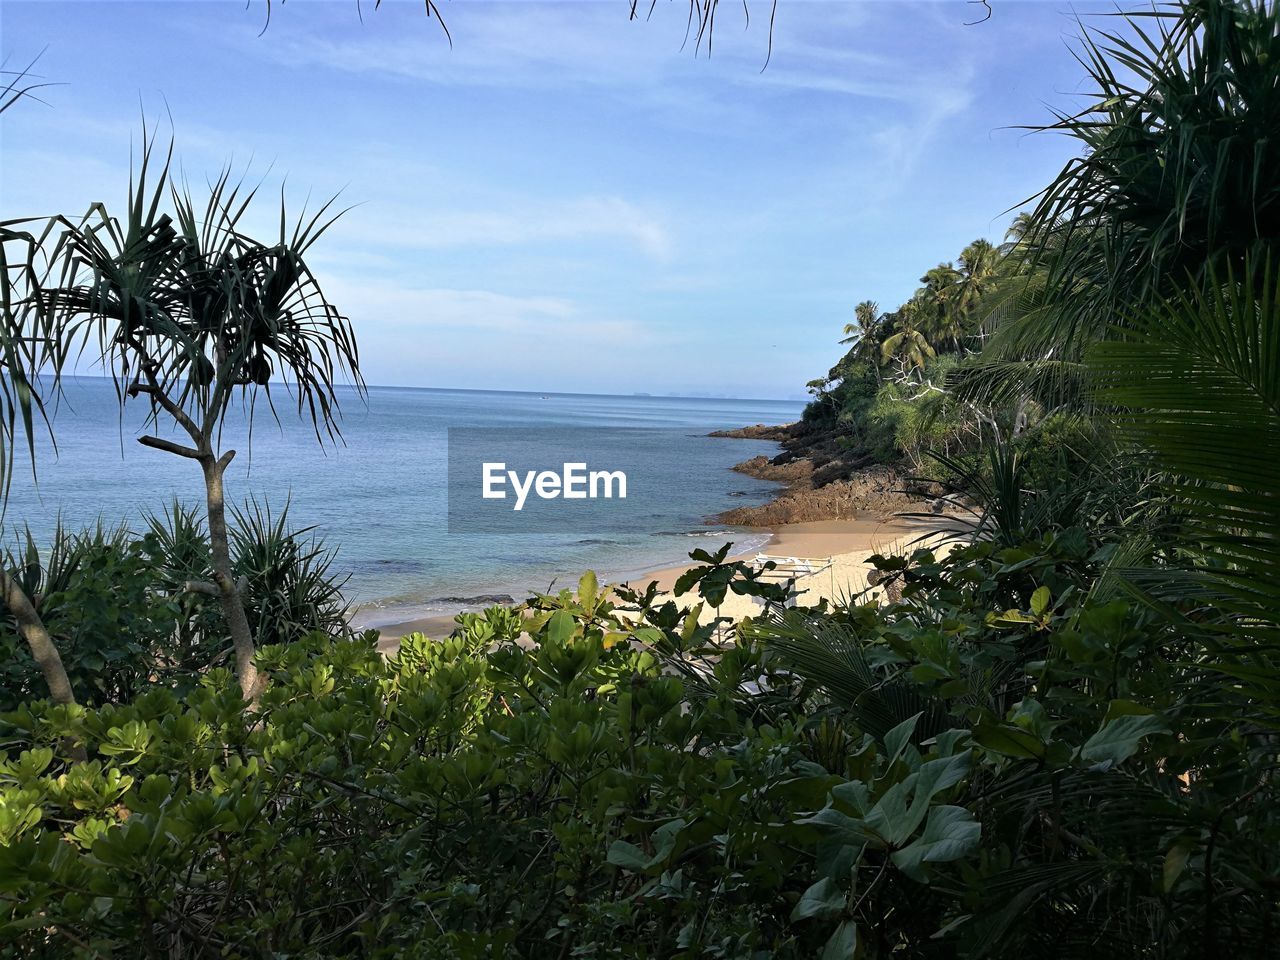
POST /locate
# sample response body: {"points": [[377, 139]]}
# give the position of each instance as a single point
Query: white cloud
{"points": [[486, 312], [578, 219]]}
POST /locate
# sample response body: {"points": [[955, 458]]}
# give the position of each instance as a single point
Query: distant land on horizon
{"points": [[695, 395]]}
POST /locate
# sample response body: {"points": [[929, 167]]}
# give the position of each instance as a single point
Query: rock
{"points": [[824, 479], [484, 599]]}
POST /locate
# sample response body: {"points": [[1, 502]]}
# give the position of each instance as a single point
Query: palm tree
{"points": [[192, 315], [938, 306], [908, 344], [1192, 381], [867, 316], [979, 267], [26, 346]]}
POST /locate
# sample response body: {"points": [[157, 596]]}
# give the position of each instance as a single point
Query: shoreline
{"points": [[846, 543], [827, 507]]}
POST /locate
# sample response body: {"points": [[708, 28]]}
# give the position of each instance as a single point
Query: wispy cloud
{"points": [[587, 218]]}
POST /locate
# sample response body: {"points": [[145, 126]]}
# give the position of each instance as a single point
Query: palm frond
{"points": [[1195, 381]]}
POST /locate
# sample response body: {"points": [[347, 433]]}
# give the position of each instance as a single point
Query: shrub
{"points": [[1004, 761], [121, 612]]}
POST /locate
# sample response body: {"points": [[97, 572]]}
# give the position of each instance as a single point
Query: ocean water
{"points": [[380, 498]]}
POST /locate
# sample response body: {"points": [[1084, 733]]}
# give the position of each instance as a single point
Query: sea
{"points": [[378, 497]]}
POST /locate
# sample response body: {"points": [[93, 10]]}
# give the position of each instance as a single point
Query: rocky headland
{"points": [[824, 479]]}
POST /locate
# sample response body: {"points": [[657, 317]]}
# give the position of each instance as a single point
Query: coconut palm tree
{"points": [[867, 316], [979, 268], [908, 343], [938, 307], [189, 315]]}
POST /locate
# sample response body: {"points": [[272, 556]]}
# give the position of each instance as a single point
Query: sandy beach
{"points": [[841, 547]]}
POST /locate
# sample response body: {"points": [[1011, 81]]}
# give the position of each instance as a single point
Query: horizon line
{"points": [[635, 395]]}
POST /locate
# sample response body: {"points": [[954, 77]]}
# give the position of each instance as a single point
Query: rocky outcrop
{"points": [[824, 479]]}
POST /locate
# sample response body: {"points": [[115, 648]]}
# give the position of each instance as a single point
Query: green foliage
{"points": [[121, 612], [1031, 768], [291, 589], [1178, 174], [94, 590], [1195, 381], [190, 312], [888, 395]]}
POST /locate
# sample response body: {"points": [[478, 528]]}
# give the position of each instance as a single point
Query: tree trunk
{"points": [[224, 576], [42, 646]]}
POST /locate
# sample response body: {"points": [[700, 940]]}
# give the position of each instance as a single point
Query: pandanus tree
{"points": [[191, 316], [1178, 175], [26, 346]]}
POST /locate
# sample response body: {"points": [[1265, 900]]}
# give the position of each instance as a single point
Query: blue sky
{"points": [[566, 200]]}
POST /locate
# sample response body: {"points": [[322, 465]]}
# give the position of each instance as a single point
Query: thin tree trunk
{"points": [[42, 646], [224, 575]]}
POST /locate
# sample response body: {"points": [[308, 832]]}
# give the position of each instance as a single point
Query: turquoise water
{"points": [[380, 498]]}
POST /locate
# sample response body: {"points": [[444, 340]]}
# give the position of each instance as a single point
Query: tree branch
{"points": [[152, 388], [168, 446]]}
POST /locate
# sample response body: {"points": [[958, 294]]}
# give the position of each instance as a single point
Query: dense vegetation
{"points": [[1056, 736]]}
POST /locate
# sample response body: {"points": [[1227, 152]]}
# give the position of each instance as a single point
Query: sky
{"points": [[567, 199]]}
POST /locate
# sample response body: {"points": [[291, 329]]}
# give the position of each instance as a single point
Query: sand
{"points": [[841, 546]]}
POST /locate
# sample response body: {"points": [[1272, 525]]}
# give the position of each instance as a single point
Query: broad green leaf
{"points": [[560, 627], [588, 588], [1118, 739], [1009, 740], [1175, 861], [950, 833], [1040, 601], [822, 899], [628, 855], [843, 828], [896, 740], [843, 944]]}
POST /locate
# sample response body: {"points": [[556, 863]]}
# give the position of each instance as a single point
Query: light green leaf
{"points": [[560, 626], [950, 834], [1040, 601], [588, 588], [843, 828], [628, 855], [896, 740]]}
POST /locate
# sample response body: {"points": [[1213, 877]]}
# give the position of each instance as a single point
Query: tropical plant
{"points": [[908, 344], [291, 589], [119, 609], [866, 321], [1179, 174], [193, 315], [27, 346], [93, 592], [1193, 381]]}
